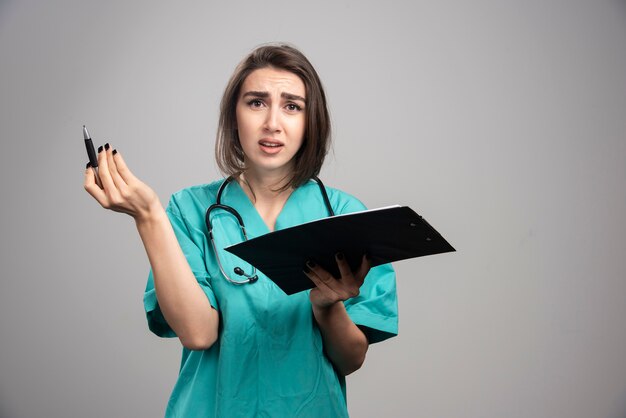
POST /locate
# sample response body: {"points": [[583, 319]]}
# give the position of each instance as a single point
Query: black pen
{"points": [[93, 157]]}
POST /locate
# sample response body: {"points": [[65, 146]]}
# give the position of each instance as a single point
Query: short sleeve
{"points": [[375, 309], [187, 240]]}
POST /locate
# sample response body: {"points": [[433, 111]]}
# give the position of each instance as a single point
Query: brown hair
{"points": [[310, 157]]}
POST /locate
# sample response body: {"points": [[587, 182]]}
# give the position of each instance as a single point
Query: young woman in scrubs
{"points": [[250, 350]]}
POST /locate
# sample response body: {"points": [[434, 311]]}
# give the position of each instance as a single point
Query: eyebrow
{"points": [[264, 94]]}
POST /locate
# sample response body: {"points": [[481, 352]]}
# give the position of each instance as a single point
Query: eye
{"points": [[292, 107], [255, 103]]}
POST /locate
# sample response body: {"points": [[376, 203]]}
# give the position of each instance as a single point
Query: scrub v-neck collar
{"points": [[255, 225]]}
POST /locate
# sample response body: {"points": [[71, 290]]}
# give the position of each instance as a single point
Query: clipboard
{"points": [[386, 234]]}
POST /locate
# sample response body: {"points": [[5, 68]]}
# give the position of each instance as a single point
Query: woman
{"points": [[250, 350]]}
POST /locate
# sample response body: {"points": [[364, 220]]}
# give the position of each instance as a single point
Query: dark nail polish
{"points": [[88, 164], [114, 151], [106, 146], [310, 264], [368, 257], [306, 269], [99, 149], [339, 256]]}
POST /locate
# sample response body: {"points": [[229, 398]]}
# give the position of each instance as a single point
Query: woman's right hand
{"points": [[121, 191]]}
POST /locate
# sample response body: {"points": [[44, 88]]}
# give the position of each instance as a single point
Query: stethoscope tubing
{"points": [[250, 278]]}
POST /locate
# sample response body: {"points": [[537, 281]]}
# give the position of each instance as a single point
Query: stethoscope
{"points": [[250, 278]]}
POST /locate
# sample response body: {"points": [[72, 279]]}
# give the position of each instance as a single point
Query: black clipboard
{"points": [[387, 234]]}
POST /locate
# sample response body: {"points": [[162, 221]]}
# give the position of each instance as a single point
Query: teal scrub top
{"points": [[268, 360]]}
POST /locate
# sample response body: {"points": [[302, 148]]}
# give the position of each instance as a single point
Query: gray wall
{"points": [[502, 123]]}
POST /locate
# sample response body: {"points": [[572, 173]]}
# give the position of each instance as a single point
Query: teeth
{"points": [[267, 144]]}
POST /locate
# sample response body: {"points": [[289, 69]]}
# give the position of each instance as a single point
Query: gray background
{"points": [[501, 122]]}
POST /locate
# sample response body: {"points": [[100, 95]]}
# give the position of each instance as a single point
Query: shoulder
{"points": [[193, 199], [343, 202]]}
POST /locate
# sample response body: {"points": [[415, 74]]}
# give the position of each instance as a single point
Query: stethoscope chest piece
{"points": [[249, 278]]}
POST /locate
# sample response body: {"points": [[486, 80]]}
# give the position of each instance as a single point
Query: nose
{"points": [[272, 119]]}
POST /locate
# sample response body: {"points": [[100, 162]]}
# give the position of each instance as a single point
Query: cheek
{"points": [[298, 127], [244, 127]]}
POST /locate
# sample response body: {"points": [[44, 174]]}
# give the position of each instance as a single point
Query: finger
{"points": [[364, 268], [342, 264], [115, 175], [103, 170], [92, 188], [319, 271], [332, 288], [315, 279], [122, 169], [351, 281], [340, 289], [325, 290], [114, 194]]}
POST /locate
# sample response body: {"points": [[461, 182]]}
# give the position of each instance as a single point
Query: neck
{"points": [[264, 186], [263, 192]]}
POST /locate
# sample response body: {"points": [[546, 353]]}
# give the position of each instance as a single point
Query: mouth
{"points": [[270, 146], [270, 143]]}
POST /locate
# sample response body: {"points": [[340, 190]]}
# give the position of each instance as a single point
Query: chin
{"points": [[270, 165]]}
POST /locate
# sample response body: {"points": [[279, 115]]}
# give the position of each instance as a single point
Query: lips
{"points": [[270, 146], [271, 143]]}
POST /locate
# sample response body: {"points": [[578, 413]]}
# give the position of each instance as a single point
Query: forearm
{"points": [[344, 343], [183, 303]]}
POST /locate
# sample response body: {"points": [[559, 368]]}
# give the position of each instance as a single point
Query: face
{"points": [[271, 120]]}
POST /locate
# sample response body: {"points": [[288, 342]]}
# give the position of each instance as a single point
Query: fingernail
{"points": [[339, 256], [99, 149], [114, 151], [310, 264], [368, 257], [88, 164], [306, 269], [106, 146]]}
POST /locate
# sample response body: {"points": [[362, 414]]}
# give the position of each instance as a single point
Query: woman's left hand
{"points": [[329, 290]]}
